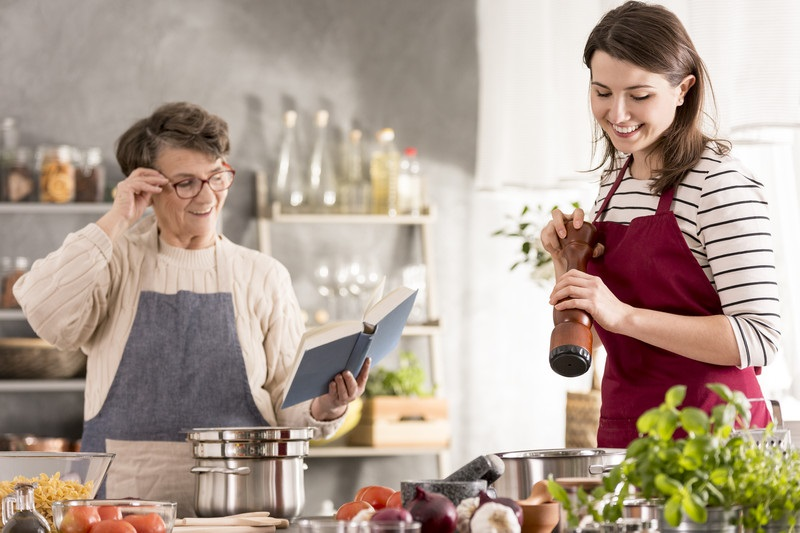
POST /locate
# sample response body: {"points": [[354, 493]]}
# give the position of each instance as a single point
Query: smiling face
{"points": [[633, 106], [188, 223]]}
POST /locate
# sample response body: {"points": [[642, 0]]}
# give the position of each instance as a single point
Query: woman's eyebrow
{"points": [[631, 88]]}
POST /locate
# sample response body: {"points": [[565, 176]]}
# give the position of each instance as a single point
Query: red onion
{"points": [[435, 512], [483, 497]]}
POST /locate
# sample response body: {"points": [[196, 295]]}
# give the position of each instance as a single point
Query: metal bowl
{"points": [[524, 468]]}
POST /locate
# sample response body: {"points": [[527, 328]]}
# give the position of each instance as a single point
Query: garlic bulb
{"points": [[464, 513], [494, 518]]}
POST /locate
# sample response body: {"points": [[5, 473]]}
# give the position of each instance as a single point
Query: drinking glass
{"points": [[331, 526]]}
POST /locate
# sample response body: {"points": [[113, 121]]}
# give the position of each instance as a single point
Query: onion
{"points": [[435, 512], [508, 502]]}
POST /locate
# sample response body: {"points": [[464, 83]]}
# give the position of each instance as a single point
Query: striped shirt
{"points": [[723, 214]]}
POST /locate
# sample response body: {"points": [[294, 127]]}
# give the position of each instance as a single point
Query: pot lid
{"points": [[249, 434], [250, 450], [562, 453]]}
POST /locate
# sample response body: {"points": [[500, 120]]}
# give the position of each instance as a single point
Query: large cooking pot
{"points": [[524, 468], [242, 470]]}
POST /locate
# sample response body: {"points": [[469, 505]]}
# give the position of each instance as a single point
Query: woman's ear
{"points": [[684, 87]]}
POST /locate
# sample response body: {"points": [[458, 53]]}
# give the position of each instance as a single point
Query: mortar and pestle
{"points": [[466, 482], [571, 340]]}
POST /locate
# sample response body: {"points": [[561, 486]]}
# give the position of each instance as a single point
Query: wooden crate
{"points": [[402, 421]]}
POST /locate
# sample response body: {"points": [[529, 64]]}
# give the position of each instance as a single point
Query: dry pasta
{"points": [[48, 490]]}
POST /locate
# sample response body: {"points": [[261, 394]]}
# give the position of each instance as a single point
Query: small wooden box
{"points": [[402, 421]]}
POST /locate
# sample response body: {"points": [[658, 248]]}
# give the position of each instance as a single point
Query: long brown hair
{"points": [[175, 124], [653, 38]]}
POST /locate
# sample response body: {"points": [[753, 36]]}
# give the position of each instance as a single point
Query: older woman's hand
{"points": [[133, 195], [343, 389]]}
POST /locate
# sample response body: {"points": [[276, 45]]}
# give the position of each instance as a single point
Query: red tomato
{"points": [[395, 501], [375, 495], [109, 512], [348, 510], [79, 519], [112, 526], [147, 523]]}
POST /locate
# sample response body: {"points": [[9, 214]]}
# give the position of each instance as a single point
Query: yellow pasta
{"points": [[48, 490]]}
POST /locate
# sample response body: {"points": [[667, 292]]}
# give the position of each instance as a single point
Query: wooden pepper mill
{"points": [[571, 340]]}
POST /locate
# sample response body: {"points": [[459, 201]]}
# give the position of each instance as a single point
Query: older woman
{"points": [[182, 327]]}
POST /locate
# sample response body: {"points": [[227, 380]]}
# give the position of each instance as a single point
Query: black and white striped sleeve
{"points": [[734, 227]]}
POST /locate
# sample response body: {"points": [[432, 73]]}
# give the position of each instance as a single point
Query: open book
{"points": [[327, 350]]}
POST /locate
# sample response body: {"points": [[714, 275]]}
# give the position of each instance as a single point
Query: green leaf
{"points": [[666, 485], [647, 422], [694, 420], [672, 510], [675, 396], [695, 508]]}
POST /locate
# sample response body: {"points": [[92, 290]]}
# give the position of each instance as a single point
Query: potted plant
{"points": [[689, 463], [400, 409]]}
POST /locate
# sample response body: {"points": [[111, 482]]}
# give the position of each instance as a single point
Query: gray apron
{"points": [[182, 368]]}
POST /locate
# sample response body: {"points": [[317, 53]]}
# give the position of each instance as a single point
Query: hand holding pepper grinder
{"points": [[571, 340]]}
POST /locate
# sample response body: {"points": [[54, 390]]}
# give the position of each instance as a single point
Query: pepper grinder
{"points": [[571, 340]]}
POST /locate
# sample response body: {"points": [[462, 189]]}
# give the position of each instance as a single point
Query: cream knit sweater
{"points": [[86, 293]]}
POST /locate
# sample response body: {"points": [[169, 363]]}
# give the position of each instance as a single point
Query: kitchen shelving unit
{"points": [[268, 215]]}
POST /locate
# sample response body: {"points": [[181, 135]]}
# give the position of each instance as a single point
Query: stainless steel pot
{"points": [[242, 470], [524, 468]]}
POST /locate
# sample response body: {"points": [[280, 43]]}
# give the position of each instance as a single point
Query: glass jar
{"points": [[17, 182], [90, 177], [56, 168]]}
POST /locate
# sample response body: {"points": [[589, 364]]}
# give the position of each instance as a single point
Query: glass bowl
{"points": [[144, 515], [58, 475]]}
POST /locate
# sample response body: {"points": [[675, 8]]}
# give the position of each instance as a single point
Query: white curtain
{"points": [[535, 125]]}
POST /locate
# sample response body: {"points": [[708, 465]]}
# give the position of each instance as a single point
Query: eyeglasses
{"points": [[218, 181]]}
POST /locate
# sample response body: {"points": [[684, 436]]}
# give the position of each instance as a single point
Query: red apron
{"points": [[649, 265]]}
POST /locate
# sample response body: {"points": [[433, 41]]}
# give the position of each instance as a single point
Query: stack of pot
{"points": [[243, 470]]}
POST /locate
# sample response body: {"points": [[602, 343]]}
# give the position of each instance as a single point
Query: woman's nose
{"points": [[618, 112]]}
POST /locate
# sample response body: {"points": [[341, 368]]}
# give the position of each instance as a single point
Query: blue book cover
{"points": [[333, 348]]}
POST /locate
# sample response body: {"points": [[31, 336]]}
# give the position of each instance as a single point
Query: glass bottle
{"points": [[26, 519], [384, 168], [56, 168], [411, 186], [289, 189], [321, 170], [354, 188]]}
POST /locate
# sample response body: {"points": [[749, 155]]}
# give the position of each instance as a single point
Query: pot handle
{"points": [[239, 471], [597, 470]]}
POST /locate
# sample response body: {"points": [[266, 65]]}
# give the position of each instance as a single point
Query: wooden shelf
{"points": [[11, 314], [40, 208], [42, 385], [367, 451], [278, 216]]}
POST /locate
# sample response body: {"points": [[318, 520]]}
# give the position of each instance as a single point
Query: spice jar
{"points": [[56, 174], [90, 177], [17, 183], [21, 265]]}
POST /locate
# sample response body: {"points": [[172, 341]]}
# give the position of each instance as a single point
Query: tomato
{"points": [[375, 495], [109, 512], [350, 509], [147, 523], [79, 519], [112, 526], [395, 500]]}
